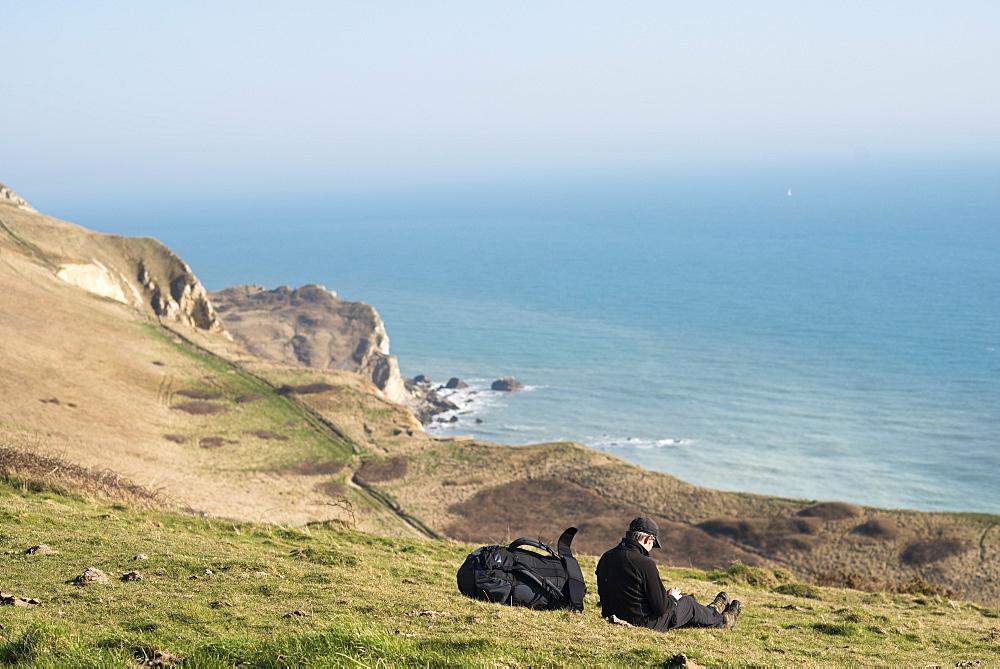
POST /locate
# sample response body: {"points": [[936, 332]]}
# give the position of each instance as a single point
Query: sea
{"points": [[816, 331]]}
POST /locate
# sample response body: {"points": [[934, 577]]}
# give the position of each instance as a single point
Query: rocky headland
{"points": [[311, 327]]}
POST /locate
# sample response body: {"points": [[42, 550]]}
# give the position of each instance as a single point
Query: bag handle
{"points": [[528, 541]]}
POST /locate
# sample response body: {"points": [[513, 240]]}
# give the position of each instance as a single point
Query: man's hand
{"points": [[675, 593]]}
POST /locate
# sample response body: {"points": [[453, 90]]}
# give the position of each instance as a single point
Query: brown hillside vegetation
{"points": [[113, 384]]}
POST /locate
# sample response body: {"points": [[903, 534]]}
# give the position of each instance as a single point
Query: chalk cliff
{"points": [[137, 271], [311, 327]]}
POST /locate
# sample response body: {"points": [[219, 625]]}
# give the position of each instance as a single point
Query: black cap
{"points": [[647, 525]]}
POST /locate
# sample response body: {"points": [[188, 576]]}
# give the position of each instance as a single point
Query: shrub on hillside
{"points": [[831, 511], [769, 534], [934, 550], [884, 529], [373, 471], [799, 590], [757, 577], [199, 408], [855, 581], [214, 442], [306, 389], [332, 488]]}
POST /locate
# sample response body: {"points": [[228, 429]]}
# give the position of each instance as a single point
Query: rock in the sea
{"points": [[507, 384], [422, 378], [455, 383]]}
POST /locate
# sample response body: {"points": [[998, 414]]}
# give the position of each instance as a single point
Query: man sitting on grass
{"points": [[630, 588]]}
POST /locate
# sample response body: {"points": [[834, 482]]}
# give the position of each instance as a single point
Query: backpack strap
{"points": [[565, 541], [576, 585]]}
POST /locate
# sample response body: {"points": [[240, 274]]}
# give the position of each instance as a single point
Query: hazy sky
{"points": [[129, 96]]}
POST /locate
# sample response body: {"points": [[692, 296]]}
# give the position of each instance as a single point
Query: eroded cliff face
{"points": [[311, 327], [137, 271], [10, 197]]}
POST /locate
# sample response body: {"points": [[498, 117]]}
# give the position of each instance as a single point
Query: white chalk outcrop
{"points": [[137, 271]]}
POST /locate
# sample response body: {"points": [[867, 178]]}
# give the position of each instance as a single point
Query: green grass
{"points": [[304, 434], [216, 593]]}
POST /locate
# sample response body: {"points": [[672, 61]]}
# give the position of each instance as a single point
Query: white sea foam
{"points": [[607, 442], [474, 406]]}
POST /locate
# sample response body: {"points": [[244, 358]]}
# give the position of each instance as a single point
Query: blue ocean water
{"points": [[817, 332]]}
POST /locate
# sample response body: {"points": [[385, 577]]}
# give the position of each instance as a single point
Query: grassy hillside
{"points": [[107, 389], [211, 592]]}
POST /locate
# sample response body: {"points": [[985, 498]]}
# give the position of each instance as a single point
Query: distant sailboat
{"points": [[789, 192]]}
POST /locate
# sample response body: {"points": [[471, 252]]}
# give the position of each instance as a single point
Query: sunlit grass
{"points": [[221, 593]]}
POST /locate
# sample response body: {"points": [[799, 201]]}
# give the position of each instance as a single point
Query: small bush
{"points": [[214, 442], [199, 408], [306, 389], [934, 550], [757, 577], [855, 581], [799, 590], [831, 511], [376, 472], [883, 529], [332, 488], [268, 435], [249, 398], [176, 438], [770, 534]]}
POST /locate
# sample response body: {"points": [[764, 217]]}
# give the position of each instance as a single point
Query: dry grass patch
{"points": [[312, 467], [35, 473], [267, 435], [198, 394]]}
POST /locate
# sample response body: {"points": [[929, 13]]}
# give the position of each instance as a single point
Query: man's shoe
{"points": [[720, 602], [731, 613]]}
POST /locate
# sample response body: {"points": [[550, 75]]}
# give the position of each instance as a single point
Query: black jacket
{"points": [[629, 585]]}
